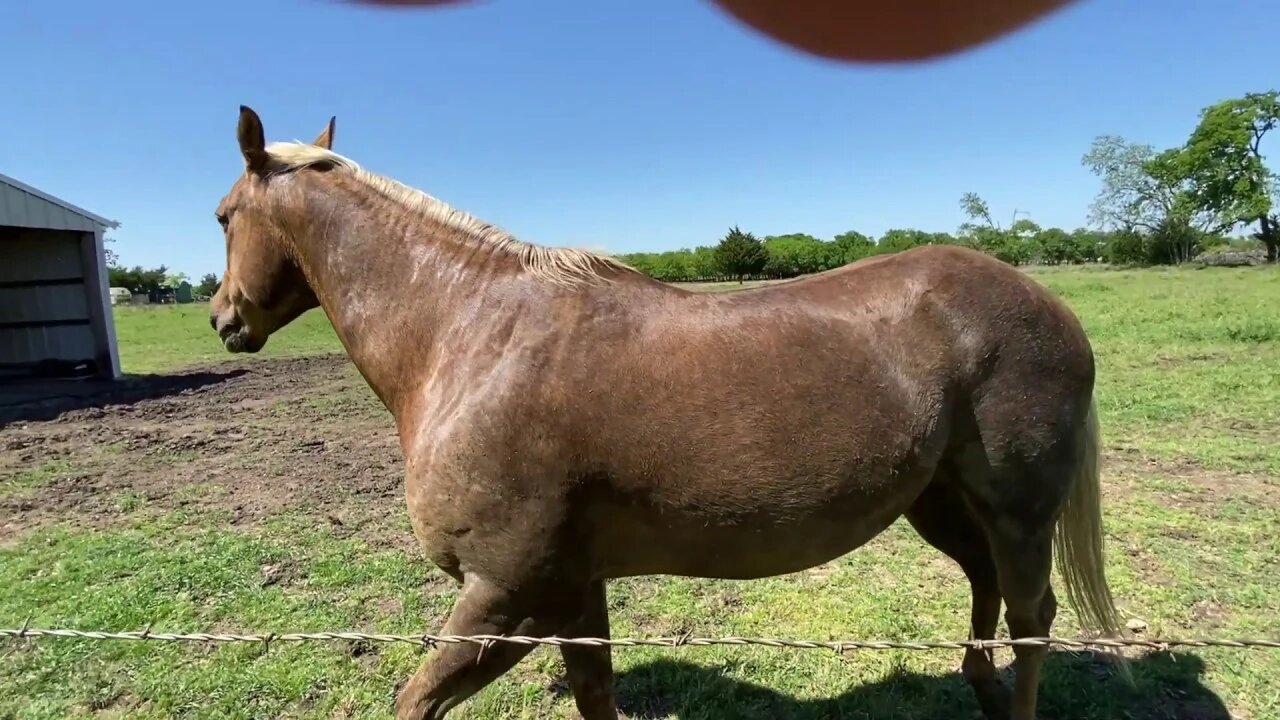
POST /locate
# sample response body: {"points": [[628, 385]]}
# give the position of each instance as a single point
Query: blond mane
{"points": [[560, 265]]}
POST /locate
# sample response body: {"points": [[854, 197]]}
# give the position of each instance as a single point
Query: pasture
{"points": [[266, 495]]}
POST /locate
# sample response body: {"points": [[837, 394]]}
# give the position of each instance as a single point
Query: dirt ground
{"points": [[253, 438]]}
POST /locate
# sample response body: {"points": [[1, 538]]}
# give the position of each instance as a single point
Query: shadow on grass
{"points": [[42, 400], [1167, 686]]}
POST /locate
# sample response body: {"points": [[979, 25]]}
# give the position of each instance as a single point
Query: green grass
{"points": [[1189, 391], [162, 338], [1188, 360]]}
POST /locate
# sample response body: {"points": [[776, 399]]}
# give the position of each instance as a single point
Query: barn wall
{"points": [[46, 305], [98, 296]]}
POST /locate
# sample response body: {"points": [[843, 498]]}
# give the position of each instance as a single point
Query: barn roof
{"points": [[24, 206]]}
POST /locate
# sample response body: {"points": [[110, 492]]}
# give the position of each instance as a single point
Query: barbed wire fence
{"points": [[838, 646]]}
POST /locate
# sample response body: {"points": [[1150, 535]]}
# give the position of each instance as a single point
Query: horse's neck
{"points": [[393, 284]]}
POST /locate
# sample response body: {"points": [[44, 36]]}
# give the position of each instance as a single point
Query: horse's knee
{"points": [[590, 668], [456, 671], [1048, 609]]}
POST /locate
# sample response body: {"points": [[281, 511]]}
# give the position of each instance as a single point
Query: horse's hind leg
{"points": [[1017, 510], [1018, 484], [941, 517], [1023, 561]]}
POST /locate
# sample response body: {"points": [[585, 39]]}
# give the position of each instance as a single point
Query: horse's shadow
{"points": [[42, 400], [1167, 686]]}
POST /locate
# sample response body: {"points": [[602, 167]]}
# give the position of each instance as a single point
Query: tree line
{"points": [[142, 280], [740, 255], [1154, 208]]}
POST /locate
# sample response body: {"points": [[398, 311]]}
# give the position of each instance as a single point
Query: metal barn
{"points": [[55, 307]]}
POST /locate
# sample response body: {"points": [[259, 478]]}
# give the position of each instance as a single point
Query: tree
{"points": [[975, 208], [1024, 229], [137, 279], [1141, 188], [676, 265], [1228, 174], [980, 232], [851, 246], [672, 266], [1013, 246], [1055, 247], [1125, 247], [741, 254], [1173, 242], [208, 285], [112, 257], [1089, 244], [798, 254], [173, 280], [897, 240]]}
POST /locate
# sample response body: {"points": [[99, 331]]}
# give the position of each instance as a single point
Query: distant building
{"points": [[161, 295]]}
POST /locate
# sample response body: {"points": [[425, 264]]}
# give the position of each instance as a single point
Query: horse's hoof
{"points": [[996, 702]]}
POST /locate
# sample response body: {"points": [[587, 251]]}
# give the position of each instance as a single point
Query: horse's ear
{"points": [[253, 141], [325, 138]]}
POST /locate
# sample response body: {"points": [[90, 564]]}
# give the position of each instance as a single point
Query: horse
{"points": [[566, 420]]}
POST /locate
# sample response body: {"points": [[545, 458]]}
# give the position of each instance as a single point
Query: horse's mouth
{"points": [[241, 342]]}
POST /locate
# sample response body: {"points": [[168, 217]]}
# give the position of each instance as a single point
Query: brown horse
{"points": [[566, 420]]}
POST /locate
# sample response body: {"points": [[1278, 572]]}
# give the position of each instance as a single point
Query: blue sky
{"points": [[618, 126]]}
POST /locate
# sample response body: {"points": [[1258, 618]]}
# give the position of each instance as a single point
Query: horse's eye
{"points": [[222, 219]]}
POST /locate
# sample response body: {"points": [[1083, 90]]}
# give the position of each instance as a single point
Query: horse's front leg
{"points": [[590, 669], [455, 672]]}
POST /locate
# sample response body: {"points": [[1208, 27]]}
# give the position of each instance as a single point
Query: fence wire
{"points": [[839, 646]]}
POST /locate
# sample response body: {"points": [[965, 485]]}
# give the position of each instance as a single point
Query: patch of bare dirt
{"points": [[1149, 567], [1208, 614], [1169, 362], [1201, 488], [255, 438]]}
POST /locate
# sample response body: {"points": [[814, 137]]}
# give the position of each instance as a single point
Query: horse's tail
{"points": [[1078, 544]]}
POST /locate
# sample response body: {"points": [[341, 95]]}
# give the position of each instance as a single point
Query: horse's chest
{"points": [[462, 494]]}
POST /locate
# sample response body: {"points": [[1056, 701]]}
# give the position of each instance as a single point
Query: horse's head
{"points": [[263, 288]]}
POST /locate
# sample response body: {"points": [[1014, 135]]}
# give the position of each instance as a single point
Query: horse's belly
{"points": [[742, 556], [756, 544]]}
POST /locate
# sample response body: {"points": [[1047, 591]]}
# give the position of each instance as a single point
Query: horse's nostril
{"points": [[224, 326]]}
